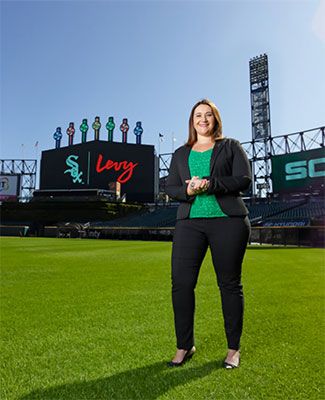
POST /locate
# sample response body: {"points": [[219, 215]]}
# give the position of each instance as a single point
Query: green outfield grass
{"points": [[92, 319]]}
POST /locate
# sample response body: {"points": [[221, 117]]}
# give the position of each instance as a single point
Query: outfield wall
{"points": [[309, 236]]}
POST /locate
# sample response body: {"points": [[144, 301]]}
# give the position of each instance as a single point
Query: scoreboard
{"points": [[299, 172], [96, 164]]}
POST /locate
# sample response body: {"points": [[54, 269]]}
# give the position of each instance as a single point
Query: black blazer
{"points": [[230, 173]]}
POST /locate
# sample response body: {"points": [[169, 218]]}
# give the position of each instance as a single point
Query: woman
{"points": [[206, 176]]}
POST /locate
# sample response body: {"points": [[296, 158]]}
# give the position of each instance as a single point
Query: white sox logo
{"points": [[74, 169]]}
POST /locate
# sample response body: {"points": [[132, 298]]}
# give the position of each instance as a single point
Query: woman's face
{"points": [[203, 120]]}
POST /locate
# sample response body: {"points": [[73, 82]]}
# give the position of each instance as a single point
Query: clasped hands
{"points": [[195, 185]]}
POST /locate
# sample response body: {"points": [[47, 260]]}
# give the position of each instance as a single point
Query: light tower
{"points": [[261, 122]]}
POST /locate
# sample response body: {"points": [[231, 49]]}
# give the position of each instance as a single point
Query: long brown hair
{"points": [[217, 131]]}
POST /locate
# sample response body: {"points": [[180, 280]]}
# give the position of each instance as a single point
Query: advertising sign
{"points": [[9, 187]]}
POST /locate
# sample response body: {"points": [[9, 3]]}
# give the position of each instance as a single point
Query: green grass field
{"points": [[92, 319]]}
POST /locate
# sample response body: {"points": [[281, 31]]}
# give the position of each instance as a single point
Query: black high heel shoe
{"points": [[228, 365], [188, 355]]}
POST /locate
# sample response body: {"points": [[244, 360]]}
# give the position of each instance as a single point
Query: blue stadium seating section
{"points": [[300, 212]]}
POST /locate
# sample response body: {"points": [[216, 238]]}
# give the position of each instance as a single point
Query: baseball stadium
{"points": [[86, 239]]}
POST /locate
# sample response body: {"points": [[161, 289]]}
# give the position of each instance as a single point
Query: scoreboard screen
{"points": [[299, 172], [97, 164]]}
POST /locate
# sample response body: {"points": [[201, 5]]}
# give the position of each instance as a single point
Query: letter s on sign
{"points": [[296, 170], [311, 165]]}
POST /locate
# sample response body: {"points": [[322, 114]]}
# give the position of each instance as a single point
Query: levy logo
{"points": [[74, 169], [126, 166]]}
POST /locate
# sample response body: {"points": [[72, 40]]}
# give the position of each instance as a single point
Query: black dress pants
{"points": [[227, 238]]}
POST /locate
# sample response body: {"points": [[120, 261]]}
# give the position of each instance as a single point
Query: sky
{"points": [[151, 61]]}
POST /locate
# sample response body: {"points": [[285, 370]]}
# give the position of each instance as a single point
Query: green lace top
{"points": [[205, 205]]}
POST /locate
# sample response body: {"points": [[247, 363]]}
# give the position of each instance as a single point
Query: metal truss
{"points": [[164, 162], [260, 152], [27, 171]]}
